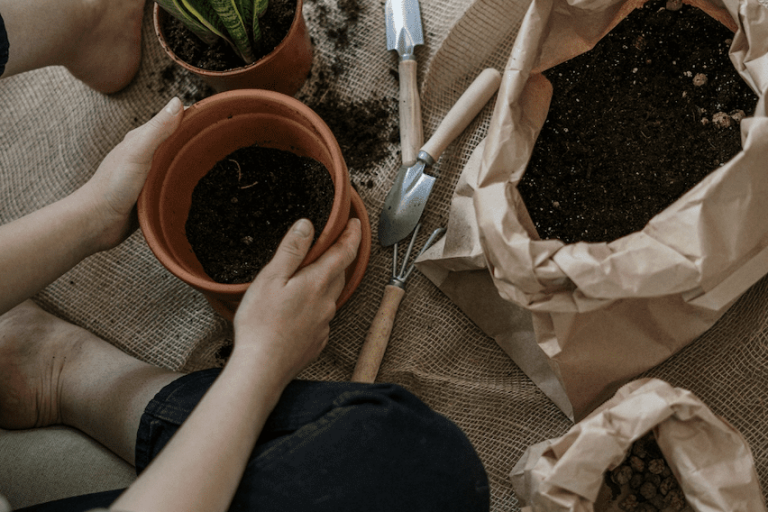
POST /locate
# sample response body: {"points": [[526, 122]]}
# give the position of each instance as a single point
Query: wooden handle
{"points": [[411, 131], [376, 341], [461, 114]]}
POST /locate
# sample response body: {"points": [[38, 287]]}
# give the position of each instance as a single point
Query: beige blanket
{"points": [[54, 132]]}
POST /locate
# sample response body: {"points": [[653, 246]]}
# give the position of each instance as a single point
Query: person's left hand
{"points": [[112, 191]]}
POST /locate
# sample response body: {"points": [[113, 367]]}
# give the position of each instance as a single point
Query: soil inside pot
{"points": [[633, 125], [275, 24], [242, 208]]}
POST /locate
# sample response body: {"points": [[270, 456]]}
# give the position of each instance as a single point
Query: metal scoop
{"points": [[408, 196]]}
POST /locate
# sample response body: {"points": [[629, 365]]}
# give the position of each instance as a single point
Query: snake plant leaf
{"points": [[177, 11], [232, 20], [245, 8], [259, 8], [206, 15]]}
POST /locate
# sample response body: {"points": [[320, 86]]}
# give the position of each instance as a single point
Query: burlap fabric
{"points": [[55, 131]]}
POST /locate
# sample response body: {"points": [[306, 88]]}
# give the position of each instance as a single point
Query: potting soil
{"points": [[242, 208], [634, 123]]}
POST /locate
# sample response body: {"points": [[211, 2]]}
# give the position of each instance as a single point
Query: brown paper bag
{"points": [[709, 458], [582, 319]]}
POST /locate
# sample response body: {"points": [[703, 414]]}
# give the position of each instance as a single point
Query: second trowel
{"points": [[408, 196], [404, 33]]}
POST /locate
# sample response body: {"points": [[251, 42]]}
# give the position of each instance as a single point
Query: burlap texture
{"points": [[55, 131]]}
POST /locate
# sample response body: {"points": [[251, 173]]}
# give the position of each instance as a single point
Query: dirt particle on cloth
{"points": [[363, 128]]}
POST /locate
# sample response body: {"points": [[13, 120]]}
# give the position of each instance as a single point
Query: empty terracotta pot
{"points": [[284, 69], [212, 129]]}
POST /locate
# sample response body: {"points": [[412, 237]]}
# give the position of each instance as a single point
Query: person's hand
{"points": [[283, 319], [112, 191]]}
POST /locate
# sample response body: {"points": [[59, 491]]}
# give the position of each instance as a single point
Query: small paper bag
{"points": [[709, 458]]}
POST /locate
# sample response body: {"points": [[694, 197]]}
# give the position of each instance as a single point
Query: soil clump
{"points": [[242, 208], [635, 123]]}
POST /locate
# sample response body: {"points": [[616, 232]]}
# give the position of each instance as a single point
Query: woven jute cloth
{"points": [[54, 132]]}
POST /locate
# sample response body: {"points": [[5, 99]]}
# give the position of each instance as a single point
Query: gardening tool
{"points": [[376, 341], [408, 196], [403, 21]]}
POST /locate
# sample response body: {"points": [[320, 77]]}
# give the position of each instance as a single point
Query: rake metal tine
{"points": [[408, 251], [436, 233], [394, 261]]}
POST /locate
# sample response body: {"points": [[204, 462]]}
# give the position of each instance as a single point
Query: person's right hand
{"points": [[284, 317]]}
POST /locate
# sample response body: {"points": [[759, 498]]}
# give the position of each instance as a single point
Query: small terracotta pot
{"points": [[211, 130], [284, 70]]}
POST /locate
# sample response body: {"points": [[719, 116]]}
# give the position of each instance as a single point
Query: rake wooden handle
{"points": [[463, 112], [376, 341], [411, 131]]}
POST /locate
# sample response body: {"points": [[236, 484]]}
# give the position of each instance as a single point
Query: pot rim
{"points": [[158, 242], [228, 72]]}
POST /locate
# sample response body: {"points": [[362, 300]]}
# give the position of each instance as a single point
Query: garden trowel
{"points": [[403, 23], [408, 196]]}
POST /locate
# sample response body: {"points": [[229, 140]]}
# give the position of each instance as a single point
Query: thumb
{"points": [[144, 140], [292, 249]]}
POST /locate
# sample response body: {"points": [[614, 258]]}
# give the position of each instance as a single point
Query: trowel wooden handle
{"points": [[463, 112], [375, 343], [411, 131]]}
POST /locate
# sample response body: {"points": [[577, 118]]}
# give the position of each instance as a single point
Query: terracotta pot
{"points": [[212, 129], [284, 70]]}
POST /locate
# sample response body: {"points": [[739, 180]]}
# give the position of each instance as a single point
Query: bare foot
{"points": [[35, 348], [107, 55]]}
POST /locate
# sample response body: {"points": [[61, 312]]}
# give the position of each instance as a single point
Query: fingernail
{"points": [[174, 106], [302, 228]]}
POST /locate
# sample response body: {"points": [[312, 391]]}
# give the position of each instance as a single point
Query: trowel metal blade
{"points": [[404, 203], [403, 25]]}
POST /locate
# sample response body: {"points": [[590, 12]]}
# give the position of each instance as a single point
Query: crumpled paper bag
{"points": [[709, 458], [582, 319]]}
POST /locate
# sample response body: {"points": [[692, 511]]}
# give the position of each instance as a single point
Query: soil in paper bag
{"points": [[631, 126], [643, 482]]}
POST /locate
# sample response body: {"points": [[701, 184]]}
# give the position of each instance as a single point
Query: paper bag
{"points": [[582, 319], [709, 458]]}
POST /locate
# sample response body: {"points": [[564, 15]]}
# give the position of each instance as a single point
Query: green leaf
{"points": [[245, 8], [189, 21], [259, 8], [206, 15], [232, 20]]}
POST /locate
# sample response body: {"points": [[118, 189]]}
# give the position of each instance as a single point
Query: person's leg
{"points": [[99, 41], [53, 372], [338, 446], [3, 46]]}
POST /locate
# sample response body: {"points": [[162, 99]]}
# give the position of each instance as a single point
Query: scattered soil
{"points": [[219, 56], [365, 130], [243, 207], [337, 27], [633, 125]]}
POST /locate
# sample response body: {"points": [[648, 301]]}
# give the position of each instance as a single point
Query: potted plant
{"points": [[211, 130], [281, 65]]}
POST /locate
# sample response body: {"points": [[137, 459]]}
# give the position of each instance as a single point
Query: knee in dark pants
{"points": [[378, 448]]}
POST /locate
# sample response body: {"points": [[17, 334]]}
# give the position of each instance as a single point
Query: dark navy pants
{"points": [[334, 446], [3, 46]]}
